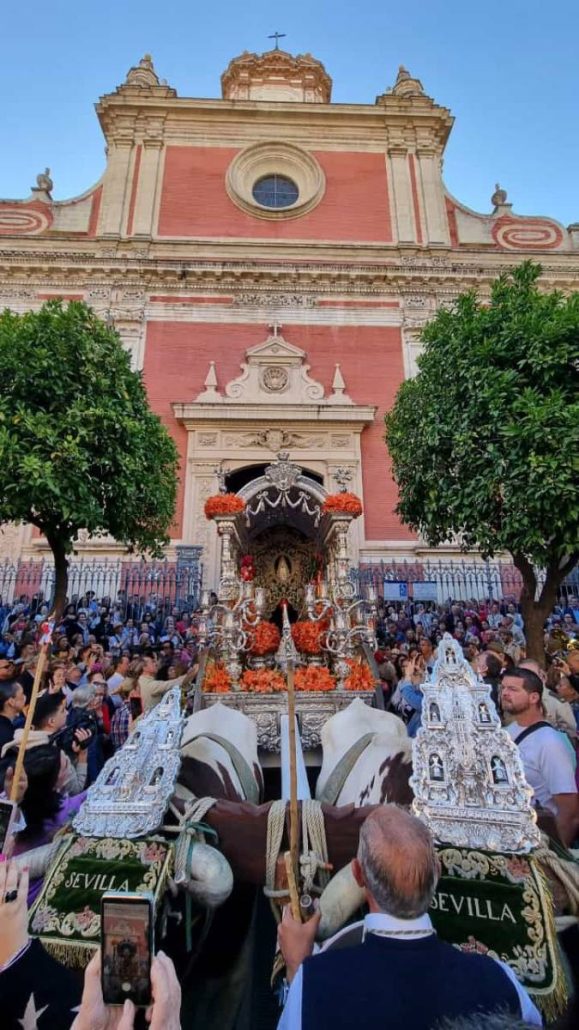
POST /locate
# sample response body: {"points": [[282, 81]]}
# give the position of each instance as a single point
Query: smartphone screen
{"points": [[127, 946], [6, 814]]}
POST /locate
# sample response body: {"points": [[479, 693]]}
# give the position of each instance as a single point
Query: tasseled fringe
{"points": [[72, 955], [552, 1001]]}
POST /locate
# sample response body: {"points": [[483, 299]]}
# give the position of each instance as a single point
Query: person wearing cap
{"points": [[547, 760]]}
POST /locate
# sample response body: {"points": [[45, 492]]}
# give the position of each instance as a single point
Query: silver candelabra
{"points": [[227, 627]]}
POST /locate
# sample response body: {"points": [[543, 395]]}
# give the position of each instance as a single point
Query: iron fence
{"points": [[457, 580], [118, 582], [178, 583]]}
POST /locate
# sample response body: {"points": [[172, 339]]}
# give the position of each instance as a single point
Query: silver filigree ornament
{"points": [[468, 779], [284, 481], [130, 796]]}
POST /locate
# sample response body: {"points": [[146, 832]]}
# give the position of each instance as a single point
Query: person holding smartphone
{"points": [[162, 1014], [416, 674]]}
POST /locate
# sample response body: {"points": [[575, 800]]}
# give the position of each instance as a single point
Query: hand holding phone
{"points": [[127, 947], [7, 816]]}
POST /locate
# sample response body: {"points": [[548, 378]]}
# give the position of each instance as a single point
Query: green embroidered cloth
{"points": [[498, 904], [66, 914]]}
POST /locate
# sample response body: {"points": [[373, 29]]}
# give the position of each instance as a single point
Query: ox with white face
{"points": [[373, 752], [219, 755]]}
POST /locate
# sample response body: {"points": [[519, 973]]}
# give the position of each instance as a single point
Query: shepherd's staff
{"points": [[45, 642], [291, 857]]}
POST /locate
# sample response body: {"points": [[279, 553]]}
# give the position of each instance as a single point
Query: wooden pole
{"points": [[30, 715], [292, 886], [294, 818]]}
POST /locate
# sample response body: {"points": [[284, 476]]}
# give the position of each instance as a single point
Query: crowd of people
{"points": [[112, 660]]}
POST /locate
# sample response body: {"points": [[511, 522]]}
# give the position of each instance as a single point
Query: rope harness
{"points": [[314, 855]]}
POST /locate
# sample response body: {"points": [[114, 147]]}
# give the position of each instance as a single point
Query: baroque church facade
{"points": [[269, 258]]}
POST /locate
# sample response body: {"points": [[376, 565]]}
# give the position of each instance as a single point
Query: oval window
{"points": [[275, 191]]}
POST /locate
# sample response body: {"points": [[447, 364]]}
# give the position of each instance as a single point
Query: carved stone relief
{"points": [[204, 486], [274, 440], [274, 300]]}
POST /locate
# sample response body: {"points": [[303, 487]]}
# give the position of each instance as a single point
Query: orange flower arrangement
{"points": [[340, 504], [223, 504], [265, 638], [262, 681], [313, 678], [217, 680], [307, 635], [360, 677]]}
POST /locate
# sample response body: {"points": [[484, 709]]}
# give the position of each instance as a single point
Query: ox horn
{"points": [[207, 875], [338, 902], [37, 860]]}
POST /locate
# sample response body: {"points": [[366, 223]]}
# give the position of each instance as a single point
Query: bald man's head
{"points": [[397, 862]]}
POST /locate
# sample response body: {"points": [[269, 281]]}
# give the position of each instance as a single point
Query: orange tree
{"points": [[79, 446], [485, 439]]}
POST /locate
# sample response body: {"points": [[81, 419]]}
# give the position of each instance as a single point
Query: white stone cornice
{"points": [[334, 416]]}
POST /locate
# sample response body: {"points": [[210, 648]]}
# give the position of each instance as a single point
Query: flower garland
{"points": [[265, 638], [247, 568], [312, 678], [360, 678], [217, 680], [223, 504], [262, 681], [340, 504], [307, 635]]}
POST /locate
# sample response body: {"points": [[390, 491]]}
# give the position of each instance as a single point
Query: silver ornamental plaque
{"points": [[468, 779], [130, 796]]}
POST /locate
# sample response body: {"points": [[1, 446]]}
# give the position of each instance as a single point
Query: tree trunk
{"points": [[536, 612], [534, 615], [60, 575]]}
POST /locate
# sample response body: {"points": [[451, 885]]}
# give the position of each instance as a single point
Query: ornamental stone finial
{"points": [[143, 74], [406, 85], [499, 197], [43, 182]]}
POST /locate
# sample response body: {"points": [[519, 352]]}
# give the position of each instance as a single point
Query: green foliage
{"points": [[484, 441], [79, 446]]}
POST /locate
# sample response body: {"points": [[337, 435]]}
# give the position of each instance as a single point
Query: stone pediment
{"points": [[274, 372]]}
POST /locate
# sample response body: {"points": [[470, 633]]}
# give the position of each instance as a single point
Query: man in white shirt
{"points": [[121, 667], [547, 760], [401, 975]]}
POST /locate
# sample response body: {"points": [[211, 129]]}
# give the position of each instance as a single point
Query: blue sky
{"points": [[509, 73]]}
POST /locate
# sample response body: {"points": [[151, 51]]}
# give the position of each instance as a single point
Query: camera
{"points": [[66, 737]]}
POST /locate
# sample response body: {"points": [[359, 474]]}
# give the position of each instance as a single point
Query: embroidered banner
{"points": [[499, 905], [66, 915]]}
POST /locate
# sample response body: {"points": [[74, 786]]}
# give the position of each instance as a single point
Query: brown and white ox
{"points": [[367, 758], [219, 755], [218, 760], [366, 761]]}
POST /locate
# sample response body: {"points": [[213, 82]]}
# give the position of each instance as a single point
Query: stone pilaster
{"points": [[433, 197]]}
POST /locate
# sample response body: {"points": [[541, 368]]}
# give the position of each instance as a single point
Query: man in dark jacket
{"points": [[12, 701], [401, 975]]}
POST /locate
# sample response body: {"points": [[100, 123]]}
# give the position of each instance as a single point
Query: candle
{"points": [[371, 592], [310, 593], [340, 619], [205, 599], [323, 589], [260, 598]]}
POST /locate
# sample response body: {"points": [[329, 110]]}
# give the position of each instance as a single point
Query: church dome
{"points": [[277, 75]]}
